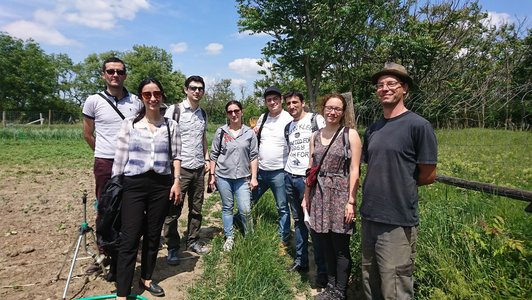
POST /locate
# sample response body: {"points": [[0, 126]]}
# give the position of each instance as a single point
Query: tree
{"points": [[215, 99], [27, 76], [149, 61], [310, 37]]}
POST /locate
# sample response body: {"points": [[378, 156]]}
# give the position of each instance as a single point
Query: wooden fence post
{"points": [[349, 111], [4, 119], [49, 117]]}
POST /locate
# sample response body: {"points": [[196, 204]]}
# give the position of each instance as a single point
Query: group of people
{"points": [[164, 158]]}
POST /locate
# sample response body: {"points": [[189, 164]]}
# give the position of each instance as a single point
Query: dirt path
{"points": [[40, 217]]}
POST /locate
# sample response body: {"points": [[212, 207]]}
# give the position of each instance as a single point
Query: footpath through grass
{"points": [[471, 245]]}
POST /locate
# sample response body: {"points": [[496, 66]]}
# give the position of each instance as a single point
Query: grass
{"points": [[471, 245], [253, 269]]}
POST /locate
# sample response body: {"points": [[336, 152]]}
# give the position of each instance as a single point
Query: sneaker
{"points": [[93, 268], [198, 248], [229, 243], [172, 258], [296, 267]]}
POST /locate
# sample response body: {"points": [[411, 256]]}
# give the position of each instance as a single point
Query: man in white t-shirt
{"points": [[102, 117], [297, 135], [273, 153]]}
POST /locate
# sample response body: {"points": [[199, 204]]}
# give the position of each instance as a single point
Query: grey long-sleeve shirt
{"points": [[234, 154]]}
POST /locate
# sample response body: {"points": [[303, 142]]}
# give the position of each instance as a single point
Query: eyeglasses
{"points": [[196, 88], [113, 71], [156, 94], [234, 111], [391, 85], [329, 109]]}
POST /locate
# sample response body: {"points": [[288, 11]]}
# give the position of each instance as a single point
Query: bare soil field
{"points": [[41, 213], [40, 219]]}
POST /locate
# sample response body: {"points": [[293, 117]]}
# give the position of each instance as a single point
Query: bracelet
{"points": [[211, 174], [352, 203], [207, 159]]}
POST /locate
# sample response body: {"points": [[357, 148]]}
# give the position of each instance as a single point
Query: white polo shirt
{"points": [[107, 122]]}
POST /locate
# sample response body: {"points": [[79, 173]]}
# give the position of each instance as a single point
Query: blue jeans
{"points": [[239, 189], [274, 180], [295, 190]]}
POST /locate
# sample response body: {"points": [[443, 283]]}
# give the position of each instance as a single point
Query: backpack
{"points": [[108, 222], [264, 117], [313, 121], [177, 113]]}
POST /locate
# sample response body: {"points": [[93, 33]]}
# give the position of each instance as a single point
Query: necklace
{"points": [[157, 122]]}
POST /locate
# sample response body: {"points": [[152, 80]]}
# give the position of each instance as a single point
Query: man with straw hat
{"points": [[400, 150]]}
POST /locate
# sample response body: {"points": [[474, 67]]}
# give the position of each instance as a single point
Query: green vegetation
{"points": [[471, 245]]}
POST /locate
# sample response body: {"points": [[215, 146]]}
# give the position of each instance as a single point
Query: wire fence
{"points": [[38, 118]]}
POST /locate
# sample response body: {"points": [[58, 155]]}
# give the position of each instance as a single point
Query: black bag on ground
{"points": [[108, 221]]}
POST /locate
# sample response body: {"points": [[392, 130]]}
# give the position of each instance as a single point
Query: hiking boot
{"points": [[172, 258], [198, 248], [229, 243]]}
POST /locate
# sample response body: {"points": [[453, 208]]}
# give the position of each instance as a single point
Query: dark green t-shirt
{"points": [[392, 149]]}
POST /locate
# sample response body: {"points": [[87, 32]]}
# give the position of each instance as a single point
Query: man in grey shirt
{"points": [[401, 152], [192, 121]]}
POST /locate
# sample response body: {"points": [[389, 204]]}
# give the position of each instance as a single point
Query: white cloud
{"points": [[497, 19], [99, 14], [247, 67], [214, 48], [179, 47], [237, 82], [42, 34], [102, 14]]}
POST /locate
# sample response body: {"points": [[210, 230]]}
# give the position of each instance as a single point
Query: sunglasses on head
{"points": [[113, 71], [155, 94], [196, 88]]}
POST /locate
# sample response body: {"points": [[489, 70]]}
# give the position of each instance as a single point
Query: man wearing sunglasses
{"points": [[103, 114], [195, 162]]}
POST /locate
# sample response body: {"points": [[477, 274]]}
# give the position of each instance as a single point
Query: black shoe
{"points": [[172, 258], [110, 277], [154, 288], [298, 268], [321, 281]]}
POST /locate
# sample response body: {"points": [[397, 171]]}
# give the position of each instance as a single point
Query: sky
{"points": [[201, 35]]}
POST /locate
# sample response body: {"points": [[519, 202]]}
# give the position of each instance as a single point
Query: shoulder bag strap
{"points": [[112, 105], [329, 146], [169, 147]]}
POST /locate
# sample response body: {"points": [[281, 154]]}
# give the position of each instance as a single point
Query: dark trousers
{"points": [[144, 205], [338, 257], [192, 185], [102, 173], [102, 170]]}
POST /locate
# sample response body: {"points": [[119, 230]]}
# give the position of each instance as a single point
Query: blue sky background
{"points": [[202, 35]]}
